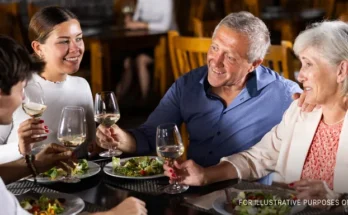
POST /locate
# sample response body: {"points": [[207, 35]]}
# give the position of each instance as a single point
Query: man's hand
{"points": [[188, 173], [52, 155], [26, 130], [306, 107], [130, 206], [115, 137]]}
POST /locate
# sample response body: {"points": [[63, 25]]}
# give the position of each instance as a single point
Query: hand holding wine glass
{"points": [[107, 113], [170, 146], [72, 131], [33, 103], [32, 130]]}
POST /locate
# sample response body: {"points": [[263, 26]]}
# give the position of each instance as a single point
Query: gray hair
{"points": [[253, 28], [330, 39]]}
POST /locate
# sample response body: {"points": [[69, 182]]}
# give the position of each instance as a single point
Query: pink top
{"points": [[321, 157]]}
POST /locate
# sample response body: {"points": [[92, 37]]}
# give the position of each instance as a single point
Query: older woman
{"points": [[308, 151]]}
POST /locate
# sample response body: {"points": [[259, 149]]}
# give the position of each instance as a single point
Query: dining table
{"points": [[105, 40], [102, 192]]}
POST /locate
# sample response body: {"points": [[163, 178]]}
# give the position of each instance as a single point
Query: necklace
{"points": [[333, 123]]}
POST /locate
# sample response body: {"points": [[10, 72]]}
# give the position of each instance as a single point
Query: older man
{"points": [[16, 68], [227, 105]]}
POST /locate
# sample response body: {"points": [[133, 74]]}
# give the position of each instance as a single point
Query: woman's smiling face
{"points": [[64, 48]]}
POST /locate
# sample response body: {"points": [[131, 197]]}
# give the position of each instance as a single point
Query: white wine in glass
{"points": [[107, 113], [33, 103], [72, 132], [170, 146]]}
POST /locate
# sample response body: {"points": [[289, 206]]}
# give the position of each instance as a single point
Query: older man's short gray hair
{"points": [[254, 29], [330, 39]]}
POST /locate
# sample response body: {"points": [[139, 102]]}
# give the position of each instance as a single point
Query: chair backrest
{"points": [[239, 5], [327, 5], [344, 17], [197, 8], [280, 59], [187, 53], [10, 22], [204, 28]]}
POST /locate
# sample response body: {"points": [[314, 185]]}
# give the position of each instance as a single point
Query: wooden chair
{"points": [[344, 17], [160, 66], [186, 53], [239, 5], [204, 28], [280, 58], [197, 8], [327, 5], [11, 24]]}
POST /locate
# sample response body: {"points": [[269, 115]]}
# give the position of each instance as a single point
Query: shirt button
{"points": [[218, 133]]}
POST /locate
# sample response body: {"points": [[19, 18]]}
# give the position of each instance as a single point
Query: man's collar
{"points": [[257, 80]]}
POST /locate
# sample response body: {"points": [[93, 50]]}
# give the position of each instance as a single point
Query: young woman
{"points": [[56, 38]]}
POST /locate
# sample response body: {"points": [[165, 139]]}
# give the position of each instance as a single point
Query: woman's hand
{"points": [[315, 190], [26, 130], [188, 173]]}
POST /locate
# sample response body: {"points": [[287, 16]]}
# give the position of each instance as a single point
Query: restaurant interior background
{"points": [[197, 18]]}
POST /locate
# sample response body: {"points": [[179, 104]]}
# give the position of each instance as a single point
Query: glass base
{"points": [[109, 154], [69, 179], [176, 188]]}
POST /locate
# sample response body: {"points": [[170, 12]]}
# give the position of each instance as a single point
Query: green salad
{"points": [[138, 167], [43, 205], [262, 203], [80, 168]]}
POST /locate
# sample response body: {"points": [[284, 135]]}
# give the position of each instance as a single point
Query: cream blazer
{"points": [[284, 150]]}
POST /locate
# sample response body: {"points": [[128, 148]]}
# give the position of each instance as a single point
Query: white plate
{"points": [[220, 202], [93, 169], [219, 205], [109, 170], [72, 204]]}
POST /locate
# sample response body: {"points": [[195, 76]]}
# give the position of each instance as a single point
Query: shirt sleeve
{"points": [[138, 7], [9, 149], [168, 111], [167, 17], [8, 202], [256, 162]]}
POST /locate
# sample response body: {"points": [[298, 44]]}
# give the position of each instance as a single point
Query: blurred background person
{"points": [[153, 15]]}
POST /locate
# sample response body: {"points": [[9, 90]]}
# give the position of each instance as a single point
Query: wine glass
{"points": [[128, 7], [33, 104], [107, 113], [169, 146], [72, 131]]}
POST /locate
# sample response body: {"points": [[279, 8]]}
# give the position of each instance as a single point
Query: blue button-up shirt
{"points": [[216, 130]]}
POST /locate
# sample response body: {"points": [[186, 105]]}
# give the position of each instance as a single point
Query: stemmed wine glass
{"points": [[170, 146], [72, 131], [33, 103], [128, 7], [107, 113]]}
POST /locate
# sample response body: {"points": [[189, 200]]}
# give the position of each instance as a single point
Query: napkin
{"points": [[206, 201]]}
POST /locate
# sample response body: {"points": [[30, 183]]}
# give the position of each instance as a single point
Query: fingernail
{"points": [[173, 175], [41, 121], [170, 170], [291, 184], [46, 131], [46, 127]]}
